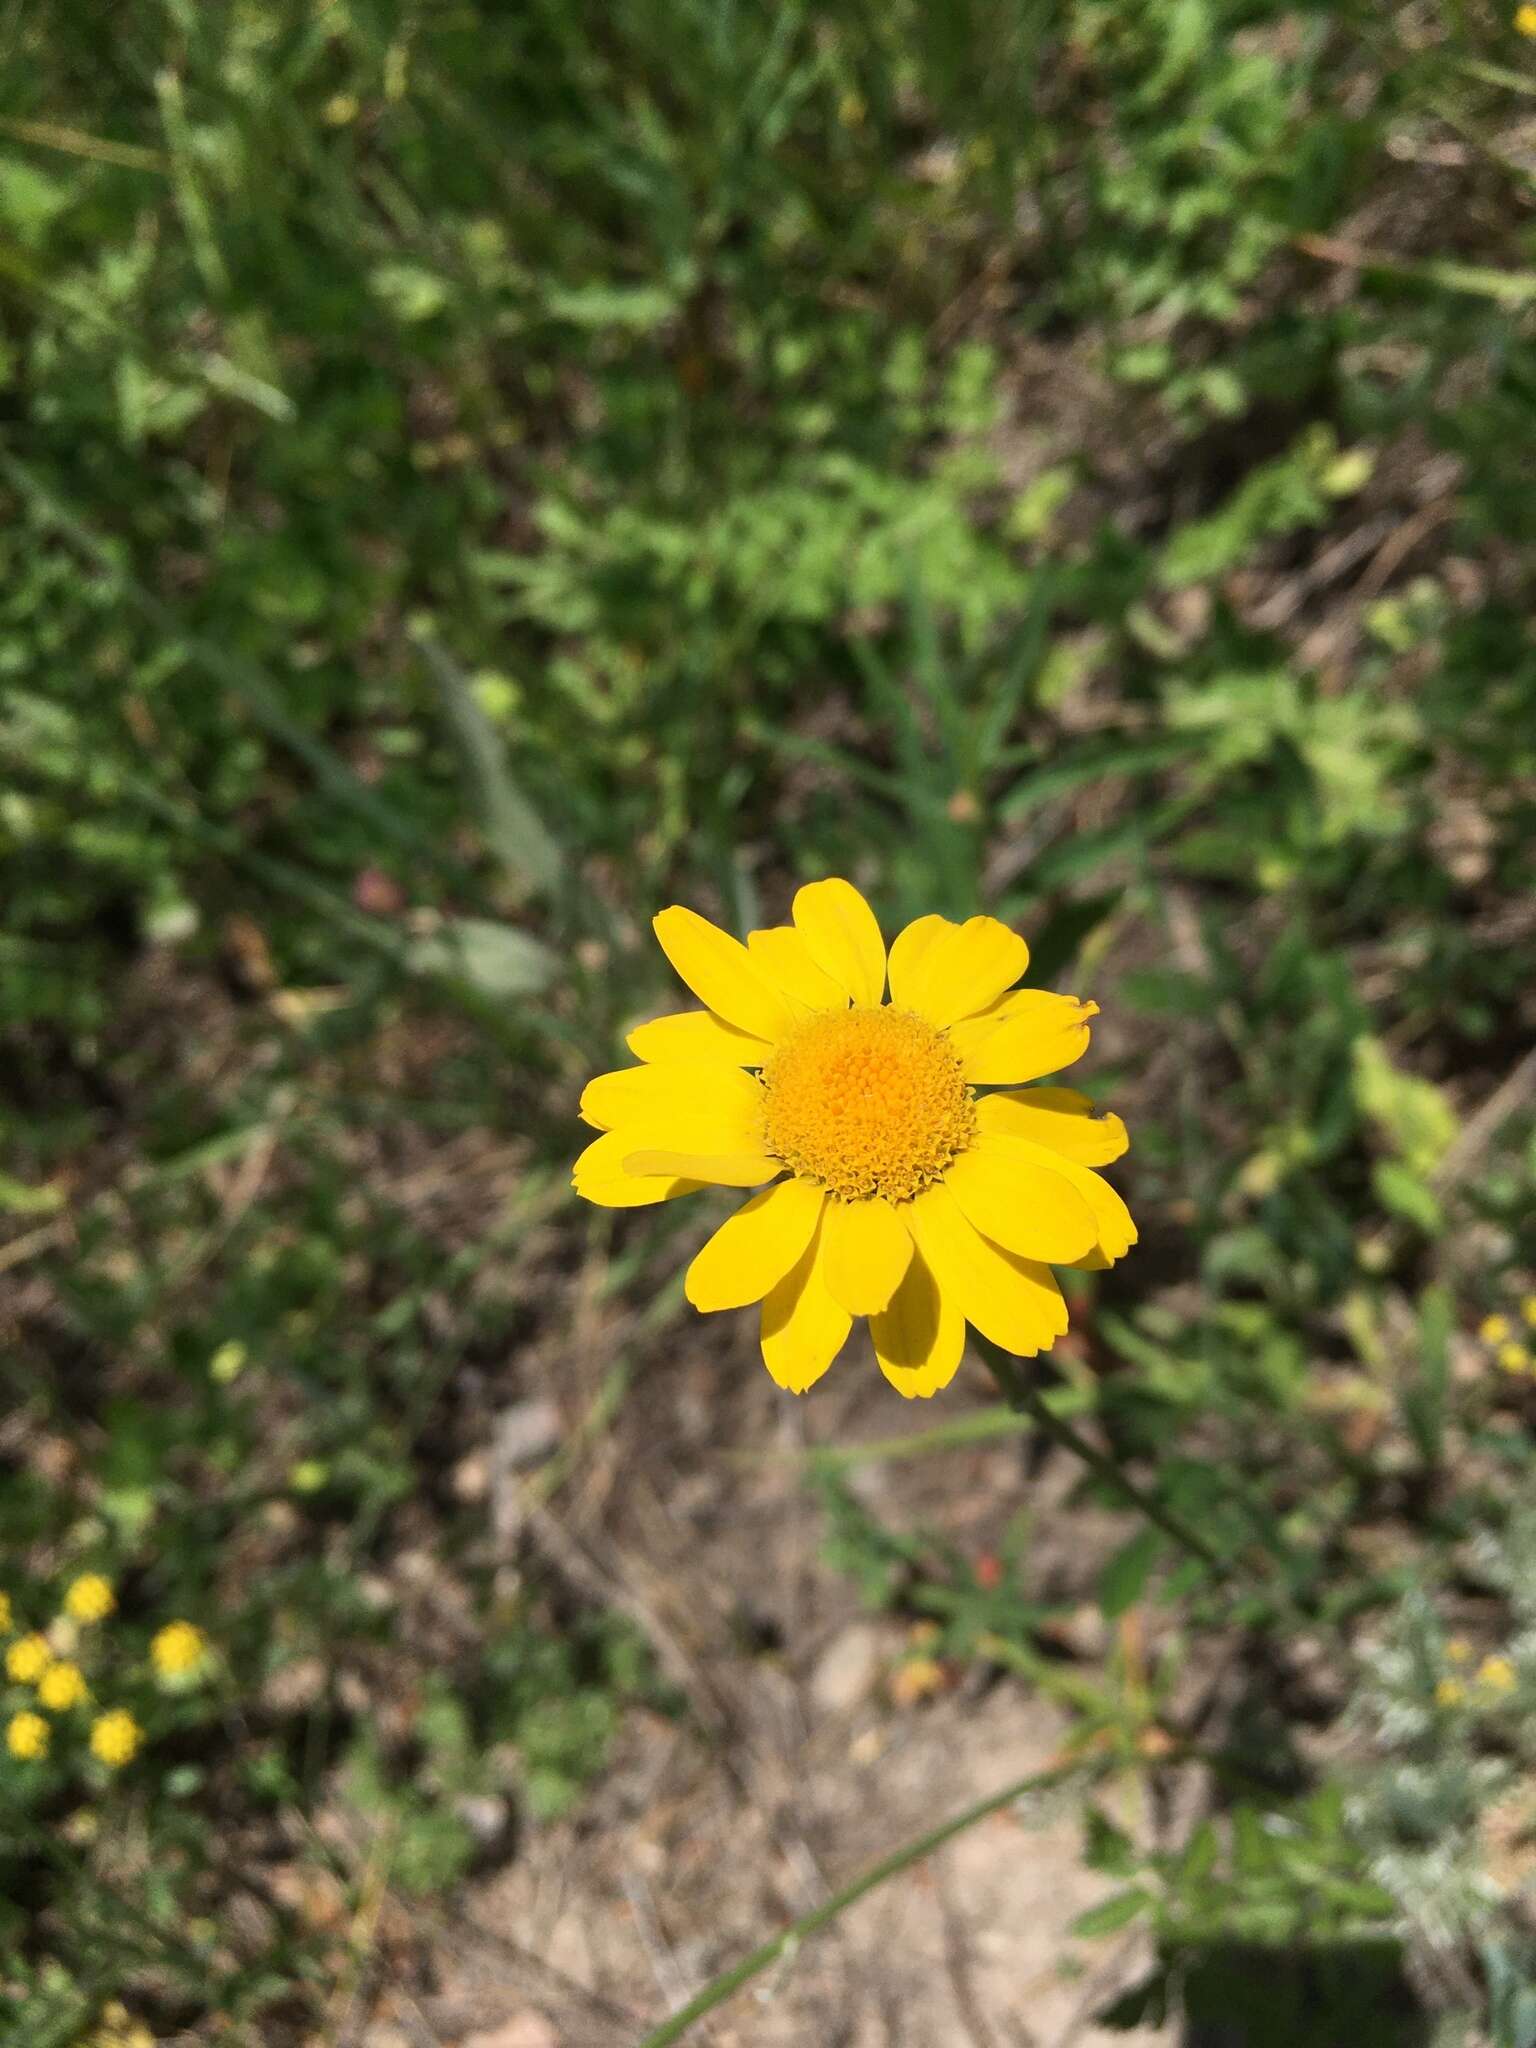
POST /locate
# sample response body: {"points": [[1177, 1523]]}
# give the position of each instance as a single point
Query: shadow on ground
{"points": [[1244, 1995]]}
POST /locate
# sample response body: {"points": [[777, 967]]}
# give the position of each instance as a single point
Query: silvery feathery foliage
{"points": [[1419, 1807]]}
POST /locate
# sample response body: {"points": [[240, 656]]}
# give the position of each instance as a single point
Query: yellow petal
{"points": [[718, 1169], [865, 1248], [720, 972], [1113, 1223], [920, 1338], [599, 1176], [1059, 1118], [657, 1101], [908, 953], [752, 1251], [783, 958], [803, 1328], [842, 936], [1014, 1301], [1022, 1036], [690, 1036], [1114, 1230], [966, 969], [1011, 1194]]}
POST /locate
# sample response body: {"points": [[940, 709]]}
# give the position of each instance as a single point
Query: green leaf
{"points": [[1415, 1115], [1107, 1848], [495, 959], [512, 826], [1402, 1191], [1113, 1913], [1122, 1579]]}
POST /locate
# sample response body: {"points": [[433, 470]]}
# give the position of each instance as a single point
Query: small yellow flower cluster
{"points": [[27, 1659], [178, 1651], [89, 1598], [1511, 1353], [1495, 1677], [26, 1736], [118, 2029], [179, 1654], [115, 1738], [62, 1686], [1497, 1674], [1525, 20]]}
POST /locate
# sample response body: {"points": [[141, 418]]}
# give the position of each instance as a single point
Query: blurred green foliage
{"points": [[470, 476]]}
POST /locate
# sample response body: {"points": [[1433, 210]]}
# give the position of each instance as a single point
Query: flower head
{"points": [[115, 1738], [61, 1687], [1528, 1310], [118, 2029], [7, 1623], [905, 1174], [27, 1659], [1497, 1674], [1458, 1650], [178, 1649], [1525, 20], [26, 1737], [1513, 1358], [1450, 1692], [89, 1598], [1494, 1329]]}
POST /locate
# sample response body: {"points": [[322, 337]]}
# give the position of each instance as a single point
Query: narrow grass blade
{"points": [[513, 828]]}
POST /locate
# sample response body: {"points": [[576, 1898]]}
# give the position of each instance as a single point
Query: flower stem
{"points": [[1026, 1400], [786, 1942]]}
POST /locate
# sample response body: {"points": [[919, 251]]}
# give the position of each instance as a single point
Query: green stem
{"points": [[785, 1943], [1027, 1401]]}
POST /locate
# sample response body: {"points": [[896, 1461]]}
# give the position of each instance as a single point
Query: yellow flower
{"points": [[115, 1737], [1528, 1310], [177, 1649], [1514, 1358], [1497, 1673], [89, 1598], [26, 1736], [1525, 20], [6, 1621], [1450, 1692], [27, 1659], [61, 1687], [1458, 1651], [1494, 1329], [118, 2029], [911, 1197]]}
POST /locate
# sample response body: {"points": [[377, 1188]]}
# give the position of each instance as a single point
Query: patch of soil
{"points": [[800, 1764]]}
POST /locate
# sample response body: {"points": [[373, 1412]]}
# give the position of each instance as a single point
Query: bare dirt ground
{"points": [[806, 1755]]}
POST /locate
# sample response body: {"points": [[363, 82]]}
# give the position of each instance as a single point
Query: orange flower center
{"points": [[868, 1102]]}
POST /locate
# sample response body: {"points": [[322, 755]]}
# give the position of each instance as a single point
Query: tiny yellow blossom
{"points": [[1497, 1673], [6, 1622], [1528, 1310], [227, 1363], [178, 1649], [26, 1736], [27, 1659], [1458, 1651], [919, 1678], [90, 1598], [1525, 20], [115, 1737], [61, 1687], [1514, 1358], [1450, 1692], [1494, 1329], [118, 2029]]}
